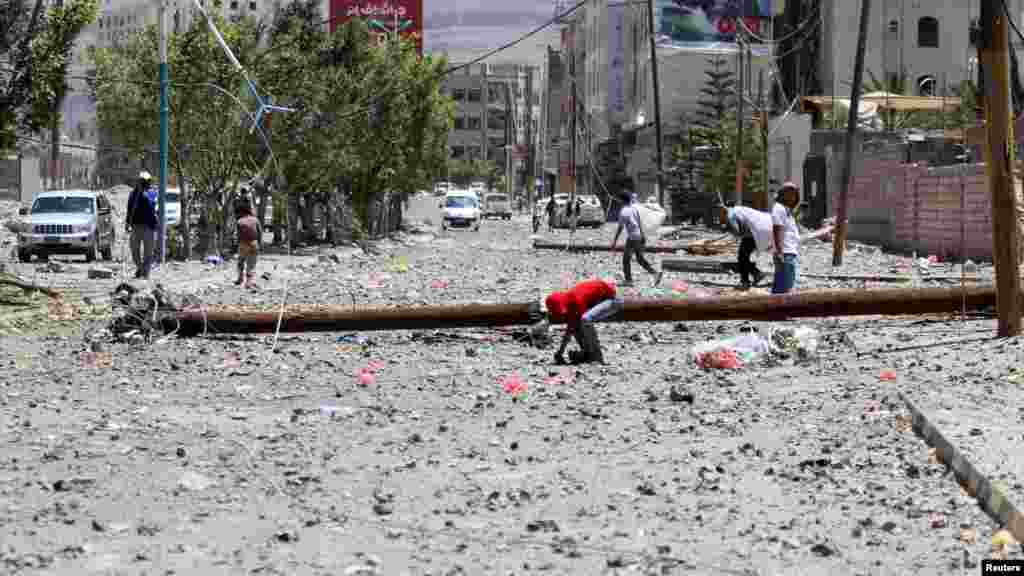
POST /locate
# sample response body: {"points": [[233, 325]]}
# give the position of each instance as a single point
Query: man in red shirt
{"points": [[588, 302]]}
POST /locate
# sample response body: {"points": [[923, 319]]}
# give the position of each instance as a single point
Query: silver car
{"points": [[68, 222]]}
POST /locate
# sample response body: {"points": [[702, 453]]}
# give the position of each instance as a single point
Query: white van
{"points": [[498, 206], [460, 209]]}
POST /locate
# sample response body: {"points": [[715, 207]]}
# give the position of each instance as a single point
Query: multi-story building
{"points": [[495, 115], [606, 49]]}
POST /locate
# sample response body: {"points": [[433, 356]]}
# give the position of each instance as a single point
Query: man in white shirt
{"points": [[786, 250], [754, 229], [629, 218]]}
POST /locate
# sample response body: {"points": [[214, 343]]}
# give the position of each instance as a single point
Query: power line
{"points": [[485, 56]]}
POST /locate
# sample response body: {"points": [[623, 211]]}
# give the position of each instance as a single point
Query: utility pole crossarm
{"points": [[264, 106]]}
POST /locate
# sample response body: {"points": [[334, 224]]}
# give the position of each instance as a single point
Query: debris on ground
{"points": [[712, 247]]}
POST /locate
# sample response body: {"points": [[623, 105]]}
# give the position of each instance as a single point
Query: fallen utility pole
{"points": [[602, 248], [994, 49], [839, 240], [699, 266], [892, 302]]}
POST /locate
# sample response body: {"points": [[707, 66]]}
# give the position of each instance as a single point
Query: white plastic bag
{"points": [[801, 341], [733, 352], [651, 219]]}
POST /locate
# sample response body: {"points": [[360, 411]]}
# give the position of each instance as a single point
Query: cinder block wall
{"points": [[911, 207]]}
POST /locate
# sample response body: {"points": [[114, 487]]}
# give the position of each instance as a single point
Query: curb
{"points": [[992, 499]]}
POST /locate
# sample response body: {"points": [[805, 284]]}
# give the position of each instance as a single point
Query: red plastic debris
{"points": [[512, 384], [937, 520], [887, 375], [721, 358], [366, 378]]}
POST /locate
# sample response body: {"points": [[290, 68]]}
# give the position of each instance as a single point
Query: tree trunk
{"points": [[184, 217], [293, 218], [309, 235]]}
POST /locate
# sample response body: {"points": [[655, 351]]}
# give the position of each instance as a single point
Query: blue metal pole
{"points": [[164, 112]]}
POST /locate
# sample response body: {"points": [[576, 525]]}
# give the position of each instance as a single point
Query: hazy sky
{"points": [[461, 26]]}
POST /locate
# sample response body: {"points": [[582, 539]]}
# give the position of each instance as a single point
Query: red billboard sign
{"points": [[384, 17]]}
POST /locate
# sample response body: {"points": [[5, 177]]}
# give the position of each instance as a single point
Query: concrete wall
{"points": [[907, 207]]}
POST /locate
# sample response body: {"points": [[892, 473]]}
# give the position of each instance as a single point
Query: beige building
{"points": [[928, 40]]}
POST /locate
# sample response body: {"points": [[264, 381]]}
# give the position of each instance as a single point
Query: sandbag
{"points": [[651, 219]]}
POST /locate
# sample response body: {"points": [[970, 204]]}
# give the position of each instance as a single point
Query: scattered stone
{"points": [[72, 484], [823, 550], [679, 394], [286, 537], [542, 526], [194, 482]]}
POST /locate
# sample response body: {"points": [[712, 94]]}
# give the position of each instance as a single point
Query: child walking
{"points": [[250, 232]]}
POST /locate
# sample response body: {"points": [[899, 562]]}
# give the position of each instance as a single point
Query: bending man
{"points": [[586, 303], [754, 229]]}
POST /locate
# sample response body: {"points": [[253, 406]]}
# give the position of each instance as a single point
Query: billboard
{"points": [[617, 62], [705, 23], [383, 17]]}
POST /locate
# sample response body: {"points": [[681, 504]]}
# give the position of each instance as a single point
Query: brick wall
{"points": [[908, 207]]}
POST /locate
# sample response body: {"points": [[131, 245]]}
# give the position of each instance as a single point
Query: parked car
{"points": [[460, 209], [69, 222], [497, 206], [591, 211]]}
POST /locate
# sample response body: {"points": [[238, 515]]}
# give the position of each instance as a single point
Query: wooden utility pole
{"points": [[740, 95], [995, 47], [839, 240], [530, 175], [660, 158]]}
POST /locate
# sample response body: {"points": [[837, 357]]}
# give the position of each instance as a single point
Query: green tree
{"points": [[717, 101], [713, 136], [209, 148], [464, 172], [371, 125], [35, 52]]}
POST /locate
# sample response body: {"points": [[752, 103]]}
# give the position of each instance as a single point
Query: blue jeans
{"points": [[785, 273], [603, 311], [586, 334]]}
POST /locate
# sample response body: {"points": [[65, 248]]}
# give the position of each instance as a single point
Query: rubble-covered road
{"points": [[215, 455]]}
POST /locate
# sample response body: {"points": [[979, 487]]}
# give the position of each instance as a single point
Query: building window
{"points": [[458, 151], [926, 85], [894, 26], [474, 95], [252, 6], [928, 32], [459, 94], [234, 5], [473, 122], [460, 123]]}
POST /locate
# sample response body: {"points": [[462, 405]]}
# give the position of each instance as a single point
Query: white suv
{"points": [[68, 222]]}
